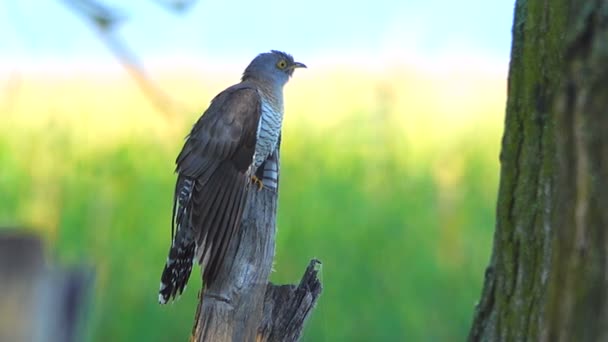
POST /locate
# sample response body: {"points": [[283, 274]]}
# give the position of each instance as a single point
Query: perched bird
{"points": [[219, 163]]}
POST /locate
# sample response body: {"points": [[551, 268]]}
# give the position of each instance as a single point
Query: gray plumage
{"points": [[224, 153]]}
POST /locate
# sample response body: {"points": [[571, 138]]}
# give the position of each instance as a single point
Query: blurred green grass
{"points": [[404, 232]]}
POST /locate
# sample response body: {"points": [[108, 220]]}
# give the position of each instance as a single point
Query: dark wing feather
{"points": [[226, 131], [216, 156]]}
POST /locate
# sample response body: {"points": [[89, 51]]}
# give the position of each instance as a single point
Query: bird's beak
{"points": [[298, 65]]}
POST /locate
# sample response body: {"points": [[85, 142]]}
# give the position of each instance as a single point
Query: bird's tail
{"points": [[181, 254], [177, 269]]}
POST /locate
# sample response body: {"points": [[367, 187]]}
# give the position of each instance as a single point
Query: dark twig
{"points": [[176, 6], [127, 58]]}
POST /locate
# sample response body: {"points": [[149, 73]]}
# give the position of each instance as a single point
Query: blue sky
{"points": [[35, 31]]}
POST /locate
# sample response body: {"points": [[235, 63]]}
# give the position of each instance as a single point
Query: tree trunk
{"points": [[239, 305], [548, 277]]}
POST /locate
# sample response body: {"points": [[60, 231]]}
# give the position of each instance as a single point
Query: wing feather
{"points": [[216, 157], [221, 238]]}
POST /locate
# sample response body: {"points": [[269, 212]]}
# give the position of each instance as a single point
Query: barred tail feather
{"points": [[181, 255], [177, 270]]}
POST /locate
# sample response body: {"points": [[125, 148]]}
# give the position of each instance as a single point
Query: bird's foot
{"points": [[255, 180]]}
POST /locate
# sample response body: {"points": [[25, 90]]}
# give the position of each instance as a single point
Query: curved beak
{"points": [[298, 65]]}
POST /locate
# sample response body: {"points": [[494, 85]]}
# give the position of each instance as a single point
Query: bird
{"points": [[219, 164]]}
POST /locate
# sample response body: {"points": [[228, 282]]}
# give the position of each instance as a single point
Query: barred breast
{"points": [[268, 133]]}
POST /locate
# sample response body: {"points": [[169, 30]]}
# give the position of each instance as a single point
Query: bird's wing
{"points": [[216, 156], [226, 131]]}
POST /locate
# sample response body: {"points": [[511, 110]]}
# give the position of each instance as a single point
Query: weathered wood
{"points": [[38, 301], [286, 307], [21, 268], [547, 278], [232, 308]]}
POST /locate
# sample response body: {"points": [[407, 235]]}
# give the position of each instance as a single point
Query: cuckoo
{"points": [[219, 164]]}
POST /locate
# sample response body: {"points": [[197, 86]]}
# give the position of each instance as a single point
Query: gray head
{"points": [[274, 66]]}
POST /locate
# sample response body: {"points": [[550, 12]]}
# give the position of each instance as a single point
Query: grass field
{"points": [[389, 177]]}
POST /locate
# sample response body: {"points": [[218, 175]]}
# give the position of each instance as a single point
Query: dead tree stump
{"points": [[241, 305]]}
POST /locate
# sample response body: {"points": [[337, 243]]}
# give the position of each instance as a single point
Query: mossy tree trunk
{"points": [[548, 275]]}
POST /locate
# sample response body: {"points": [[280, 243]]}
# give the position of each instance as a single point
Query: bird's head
{"points": [[274, 66]]}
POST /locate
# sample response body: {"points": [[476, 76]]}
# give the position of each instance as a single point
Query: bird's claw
{"points": [[255, 180]]}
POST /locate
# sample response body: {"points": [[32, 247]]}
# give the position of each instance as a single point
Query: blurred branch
{"points": [[102, 16], [129, 61], [104, 21], [177, 6]]}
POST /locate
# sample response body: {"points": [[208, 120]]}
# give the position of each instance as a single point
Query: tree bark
{"points": [[286, 307], [235, 306], [547, 278], [578, 292]]}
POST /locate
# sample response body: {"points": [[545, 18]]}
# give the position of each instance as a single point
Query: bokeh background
{"points": [[389, 154]]}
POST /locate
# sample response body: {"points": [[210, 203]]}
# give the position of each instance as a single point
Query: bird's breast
{"points": [[269, 129]]}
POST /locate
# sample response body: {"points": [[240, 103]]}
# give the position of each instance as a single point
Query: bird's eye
{"points": [[282, 64]]}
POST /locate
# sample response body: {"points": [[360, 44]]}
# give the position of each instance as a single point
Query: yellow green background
{"points": [[389, 156]]}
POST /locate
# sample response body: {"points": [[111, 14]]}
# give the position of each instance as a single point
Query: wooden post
{"points": [[38, 301], [21, 268], [241, 305]]}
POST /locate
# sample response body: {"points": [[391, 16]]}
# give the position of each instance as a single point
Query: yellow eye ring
{"points": [[282, 64]]}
